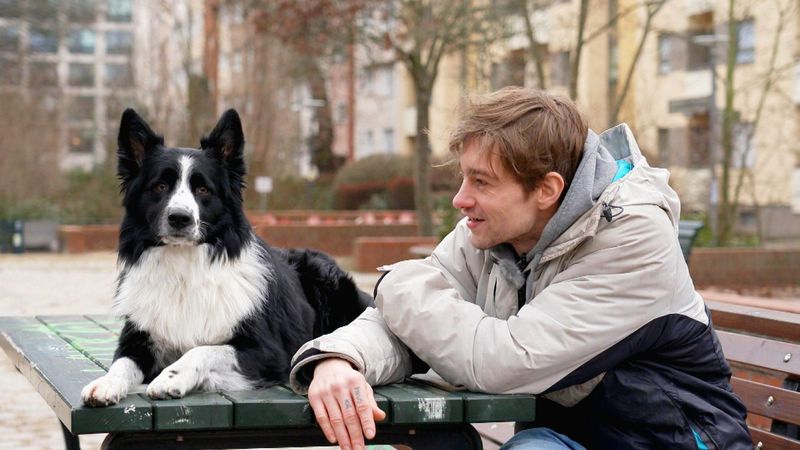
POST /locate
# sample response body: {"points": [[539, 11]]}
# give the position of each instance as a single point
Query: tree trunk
{"points": [[727, 210], [322, 141], [576, 61], [422, 157]]}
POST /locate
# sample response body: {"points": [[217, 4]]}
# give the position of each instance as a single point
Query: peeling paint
{"points": [[431, 408], [129, 409]]}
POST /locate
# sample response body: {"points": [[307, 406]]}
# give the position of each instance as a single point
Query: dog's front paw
{"points": [[171, 383], [104, 391]]}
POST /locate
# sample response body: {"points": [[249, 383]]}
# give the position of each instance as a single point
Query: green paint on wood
{"points": [[272, 407], [196, 411], [59, 372], [415, 404]]}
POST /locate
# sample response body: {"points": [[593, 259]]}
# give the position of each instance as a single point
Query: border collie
{"points": [[207, 304]]}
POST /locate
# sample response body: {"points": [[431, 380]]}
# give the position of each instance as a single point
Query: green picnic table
{"points": [[61, 354]]}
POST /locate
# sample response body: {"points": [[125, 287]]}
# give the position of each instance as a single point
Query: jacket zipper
{"points": [[522, 263]]}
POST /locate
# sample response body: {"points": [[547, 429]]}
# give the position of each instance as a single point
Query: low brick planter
{"points": [[745, 267], [372, 252]]}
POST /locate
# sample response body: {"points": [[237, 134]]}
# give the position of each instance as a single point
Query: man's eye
{"points": [[161, 187], [202, 190]]}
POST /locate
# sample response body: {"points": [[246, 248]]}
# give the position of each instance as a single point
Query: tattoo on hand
{"points": [[357, 393], [347, 404]]}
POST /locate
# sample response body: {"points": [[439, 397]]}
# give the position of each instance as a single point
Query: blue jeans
{"points": [[540, 439]]}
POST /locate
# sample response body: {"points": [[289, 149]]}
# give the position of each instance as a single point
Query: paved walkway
{"points": [[39, 284]]}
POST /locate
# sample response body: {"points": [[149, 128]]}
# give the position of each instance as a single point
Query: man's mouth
{"points": [[473, 222]]}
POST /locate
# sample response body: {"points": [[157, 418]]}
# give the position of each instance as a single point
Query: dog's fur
{"points": [[207, 304]]}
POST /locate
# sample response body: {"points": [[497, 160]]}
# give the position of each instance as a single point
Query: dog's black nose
{"points": [[179, 220]]}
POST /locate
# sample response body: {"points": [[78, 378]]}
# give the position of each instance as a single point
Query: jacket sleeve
{"points": [[620, 279], [366, 343]]}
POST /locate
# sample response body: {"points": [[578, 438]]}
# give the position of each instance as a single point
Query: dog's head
{"points": [[182, 196]]}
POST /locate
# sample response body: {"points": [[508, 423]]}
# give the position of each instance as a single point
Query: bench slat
{"points": [[58, 372], [772, 441], [785, 404], [109, 322], [415, 404], [761, 352], [94, 341], [765, 322], [196, 411]]}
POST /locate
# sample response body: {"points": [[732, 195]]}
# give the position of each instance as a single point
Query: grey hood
{"points": [[595, 172]]}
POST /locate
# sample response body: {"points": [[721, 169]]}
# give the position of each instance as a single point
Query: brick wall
{"points": [[335, 239], [745, 267], [372, 252]]}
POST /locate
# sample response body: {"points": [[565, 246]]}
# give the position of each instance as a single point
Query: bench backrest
{"points": [[687, 233], [754, 354]]}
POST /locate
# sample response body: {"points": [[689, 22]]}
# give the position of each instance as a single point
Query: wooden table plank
{"points": [[58, 372], [196, 411], [272, 407], [88, 337], [416, 404], [479, 407], [111, 323]]}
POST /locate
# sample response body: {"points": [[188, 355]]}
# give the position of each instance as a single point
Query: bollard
{"points": [[18, 237]]}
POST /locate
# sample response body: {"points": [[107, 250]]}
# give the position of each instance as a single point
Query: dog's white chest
{"points": [[184, 299]]}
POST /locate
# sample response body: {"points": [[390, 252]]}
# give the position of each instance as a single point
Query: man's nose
{"points": [[462, 199]]}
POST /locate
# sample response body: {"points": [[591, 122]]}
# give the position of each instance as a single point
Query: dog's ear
{"points": [[226, 142], [135, 141]]}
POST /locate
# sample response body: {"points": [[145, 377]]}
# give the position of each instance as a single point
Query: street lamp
{"points": [[712, 41]]}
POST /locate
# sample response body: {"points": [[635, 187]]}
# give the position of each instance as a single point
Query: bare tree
{"points": [[731, 189], [420, 33]]}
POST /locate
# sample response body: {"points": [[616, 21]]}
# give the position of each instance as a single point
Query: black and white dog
{"points": [[207, 304]]}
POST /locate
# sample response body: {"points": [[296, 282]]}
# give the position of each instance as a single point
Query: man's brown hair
{"points": [[531, 131]]}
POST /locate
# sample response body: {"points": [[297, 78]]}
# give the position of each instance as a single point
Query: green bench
{"points": [[60, 354]]}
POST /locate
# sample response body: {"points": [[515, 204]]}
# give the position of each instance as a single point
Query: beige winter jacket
{"points": [[594, 285]]}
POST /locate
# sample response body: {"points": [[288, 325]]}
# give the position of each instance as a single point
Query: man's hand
{"points": [[343, 404]]}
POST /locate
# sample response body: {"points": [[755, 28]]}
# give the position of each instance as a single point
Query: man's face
{"points": [[496, 204]]}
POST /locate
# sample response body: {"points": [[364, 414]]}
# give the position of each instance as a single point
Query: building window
{"points": [[80, 74], [663, 147], [81, 140], [10, 8], [9, 39], [118, 10], [341, 113], [43, 74], [665, 49], [81, 108], [699, 55], [746, 42], [560, 69], [115, 105], [699, 149], [118, 42], [510, 71], [388, 137], [118, 75], [10, 73], [744, 153], [80, 10], [82, 41], [43, 10], [43, 39]]}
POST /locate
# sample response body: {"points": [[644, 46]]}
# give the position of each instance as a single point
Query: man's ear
{"points": [[135, 141], [226, 142], [549, 190]]}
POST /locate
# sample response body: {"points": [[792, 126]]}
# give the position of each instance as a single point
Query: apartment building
{"points": [[671, 102], [75, 59]]}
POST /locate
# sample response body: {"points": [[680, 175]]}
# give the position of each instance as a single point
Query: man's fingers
{"points": [[321, 414], [364, 406], [337, 422], [352, 420]]}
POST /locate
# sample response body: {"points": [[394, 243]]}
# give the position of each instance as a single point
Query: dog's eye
{"points": [[161, 187], [202, 190]]}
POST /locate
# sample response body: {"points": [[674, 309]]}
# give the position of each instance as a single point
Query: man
{"points": [[564, 279]]}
